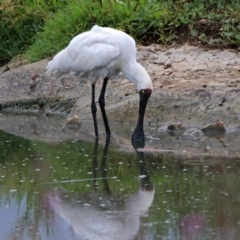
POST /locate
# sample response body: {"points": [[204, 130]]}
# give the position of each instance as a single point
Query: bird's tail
{"points": [[55, 65]]}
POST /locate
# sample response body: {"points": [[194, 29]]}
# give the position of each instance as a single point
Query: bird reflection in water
{"points": [[104, 216]]}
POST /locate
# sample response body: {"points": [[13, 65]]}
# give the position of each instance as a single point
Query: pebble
{"points": [[176, 126], [74, 120], [214, 127]]}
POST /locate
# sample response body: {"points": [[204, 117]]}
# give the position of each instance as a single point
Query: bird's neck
{"points": [[138, 135], [138, 75]]}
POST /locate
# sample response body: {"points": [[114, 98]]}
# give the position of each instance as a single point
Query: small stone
{"points": [[176, 126], [217, 126], [164, 128], [68, 87], [193, 133], [168, 53], [74, 120], [167, 65]]}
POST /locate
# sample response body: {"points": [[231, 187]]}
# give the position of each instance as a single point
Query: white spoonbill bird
{"points": [[104, 52]]}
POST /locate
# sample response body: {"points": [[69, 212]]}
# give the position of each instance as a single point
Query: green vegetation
{"points": [[20, 21], [40, 28]]}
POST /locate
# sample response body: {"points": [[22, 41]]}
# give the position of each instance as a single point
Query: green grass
{"points": [[41, 28], [20, 21]]}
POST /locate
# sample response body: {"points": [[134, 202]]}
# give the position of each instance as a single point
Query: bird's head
{"points": [[145, 94]]}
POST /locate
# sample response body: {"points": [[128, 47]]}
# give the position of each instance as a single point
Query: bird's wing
{"points": [[86, 52], [91, 52]]}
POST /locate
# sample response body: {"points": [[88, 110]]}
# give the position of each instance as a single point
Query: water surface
{"points": [[64, 187]]}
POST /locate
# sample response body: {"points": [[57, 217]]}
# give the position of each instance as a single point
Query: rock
{"points": [[180, 93], [46, 114], [74, 120], [163, 129], [150, 137], [217, 126], [193, 133], [167, 65], [176, 126]]}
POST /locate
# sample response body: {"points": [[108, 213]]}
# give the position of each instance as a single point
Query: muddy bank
{"points": [[192, 148], [192, 85]]}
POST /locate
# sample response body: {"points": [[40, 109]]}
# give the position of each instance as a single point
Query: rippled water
{"points": [[75, 189]]}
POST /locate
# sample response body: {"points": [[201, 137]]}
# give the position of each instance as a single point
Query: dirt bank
{"points": [[191, 84]]}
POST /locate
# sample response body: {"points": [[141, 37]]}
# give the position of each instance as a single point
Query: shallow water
{"points": [[61, 187]]}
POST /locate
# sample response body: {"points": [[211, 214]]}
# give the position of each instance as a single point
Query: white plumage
{"points": [[101, 53]]}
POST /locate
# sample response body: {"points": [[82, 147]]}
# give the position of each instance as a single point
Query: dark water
{"points": [[74, 189]]}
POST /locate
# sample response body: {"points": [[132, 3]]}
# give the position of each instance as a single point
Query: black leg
{"points": [[94, 111], [102, 106]]}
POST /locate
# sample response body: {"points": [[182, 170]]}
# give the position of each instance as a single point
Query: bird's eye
{"points": [[142, 92]]}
